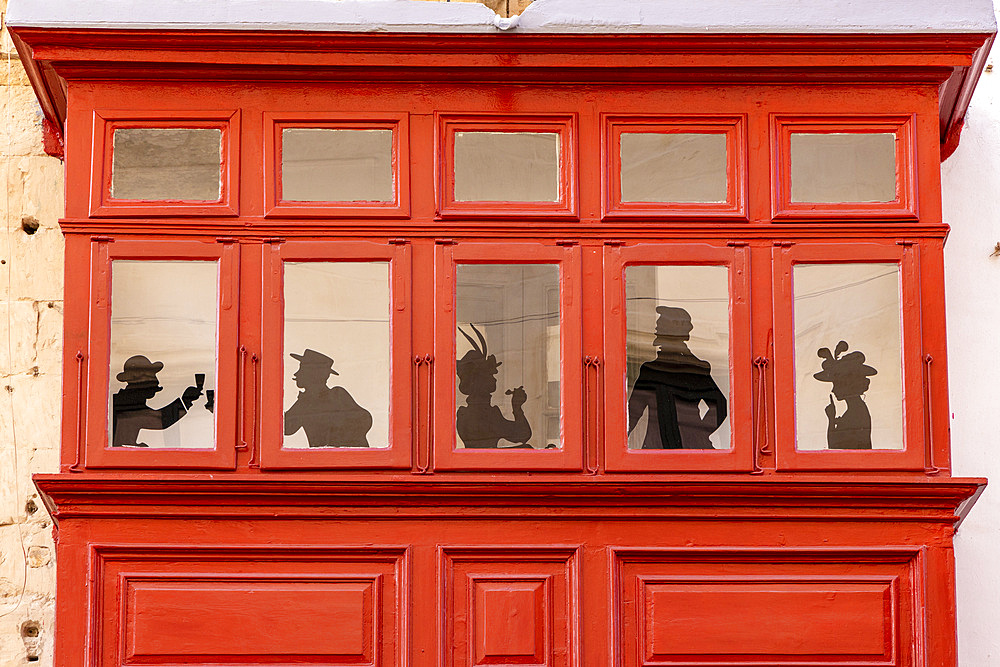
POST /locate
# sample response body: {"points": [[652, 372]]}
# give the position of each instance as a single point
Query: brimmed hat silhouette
{"points": [[836, 367], [139, 369], [477, 355], [672, 321], [314, 358]]}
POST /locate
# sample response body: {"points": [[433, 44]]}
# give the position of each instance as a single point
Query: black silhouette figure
{"points": [[129, 412], [672, 387], [479, 423], [849, 375], [329, 415]]}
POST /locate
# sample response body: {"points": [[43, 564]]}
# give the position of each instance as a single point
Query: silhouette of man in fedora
{"points": [[129, 411], [329, 415], [849, 374], [671, 388]]}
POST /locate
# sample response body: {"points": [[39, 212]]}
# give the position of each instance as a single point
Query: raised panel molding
{"points": [[774, 607], [335, 607], [509, 606]]}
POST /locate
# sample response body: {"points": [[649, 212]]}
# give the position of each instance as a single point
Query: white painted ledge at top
{"points": [[542, 16]]}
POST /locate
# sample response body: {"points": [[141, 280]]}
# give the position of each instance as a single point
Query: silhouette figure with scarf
{"points": [[129, 412], [672, 387], [849, 375], [479, 423], [329, 416]]}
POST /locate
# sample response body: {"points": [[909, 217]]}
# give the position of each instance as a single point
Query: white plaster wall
{"points": [[971, 194]]}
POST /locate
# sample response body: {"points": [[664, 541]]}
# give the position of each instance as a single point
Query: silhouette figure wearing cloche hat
{"points": [[672, 387], [329, 416], [129, 411], [849, 375]]}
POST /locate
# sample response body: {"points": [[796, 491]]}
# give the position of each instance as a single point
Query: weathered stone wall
{"points": [[31, 293]]}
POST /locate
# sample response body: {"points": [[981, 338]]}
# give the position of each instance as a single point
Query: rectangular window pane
{"points": [[507, 166], [337, 354], [319, 164], [163, 163], [508, 356], [163, 353], [843, 167], [848, 357], [677, 357], [673, 167]]}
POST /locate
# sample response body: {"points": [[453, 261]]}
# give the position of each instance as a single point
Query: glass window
{"points": [[508, 356], [673, 167], [848, 356], [677, 357], [843, 167], [164, 163], [337, 354], [321, 164], [163, 353], [507, 166]]}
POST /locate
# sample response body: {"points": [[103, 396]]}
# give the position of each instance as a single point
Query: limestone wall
{"points": [[31, 292]]}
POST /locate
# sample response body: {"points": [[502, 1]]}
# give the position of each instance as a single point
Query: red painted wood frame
{"points": [[276, 206], [447, 456], [617, 456], [733, 127], [904, 207], [564, 125], [98, 453], [398, 453], [914, 454], [102, 204]]}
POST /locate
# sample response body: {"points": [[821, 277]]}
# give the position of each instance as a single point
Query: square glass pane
{"points": [[320, 164], [507, 389], [843, 167], [337, 360], [163, 353], [507, 166], [677, 357], [848, 357], [673, 167], [167, 163]]}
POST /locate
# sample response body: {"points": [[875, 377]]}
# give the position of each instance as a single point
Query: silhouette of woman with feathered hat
{"points": [[849, 375], [480, 424]]}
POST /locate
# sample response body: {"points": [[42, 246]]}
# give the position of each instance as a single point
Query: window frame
{"points": [[399, 454], [914, 431], [448, 255], [97, 450], [106, 121], [335, 211]]}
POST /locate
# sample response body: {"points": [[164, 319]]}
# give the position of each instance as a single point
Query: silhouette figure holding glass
{"points": [[129, 412], [849, 374], [671, 389], [480, 424], [329, 416]]}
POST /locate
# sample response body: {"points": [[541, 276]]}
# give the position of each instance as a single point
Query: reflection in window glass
{"points": [[338, 351], [677, 357], [673, 167], [508, 356], [163, 354], [507, 166], [167, 163], [843, 167], [319, 164], [848, 357]]}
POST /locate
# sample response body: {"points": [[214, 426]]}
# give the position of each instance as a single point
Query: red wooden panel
{"points": [[264, 620], [262, 606], [766, 607], [708, 618], [513, 606]]}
